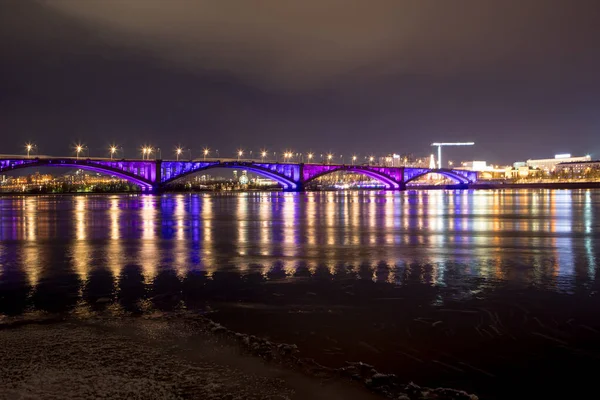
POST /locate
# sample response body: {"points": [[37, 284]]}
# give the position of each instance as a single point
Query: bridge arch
{"points": [[85, 165], [286, 182], [389, 182], [447, 173]]}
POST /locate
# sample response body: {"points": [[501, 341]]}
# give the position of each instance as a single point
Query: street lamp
{"points": [[329, 157], [205, 153], [310, 156], [28, 147], [263, 154], [113, 150], [178, 151], [371, 158], [78, 149], [353, 159], [146, 151], [240, 153]]}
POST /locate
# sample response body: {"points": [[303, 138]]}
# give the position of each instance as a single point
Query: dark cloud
{"points": [[518, 76], [304, 43]]}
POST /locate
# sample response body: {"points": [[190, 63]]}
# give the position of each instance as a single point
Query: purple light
{"points": [[290, 176], [385, 175], [286, 175], [141, 175]]}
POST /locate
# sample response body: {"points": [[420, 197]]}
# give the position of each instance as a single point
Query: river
{"points": [[482, 290]]}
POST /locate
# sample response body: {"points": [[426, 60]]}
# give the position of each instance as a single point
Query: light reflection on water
{"points": [[546, 238]]}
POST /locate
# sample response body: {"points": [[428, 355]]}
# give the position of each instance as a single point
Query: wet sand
{"points": [[144, 358]]}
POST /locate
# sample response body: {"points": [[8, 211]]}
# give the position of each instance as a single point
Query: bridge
{"points": [[154, 175]]}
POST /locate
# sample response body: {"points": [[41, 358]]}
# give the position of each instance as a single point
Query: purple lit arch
{"points": [[87, 165], [285, 174], [390, 177], [412, 174]]}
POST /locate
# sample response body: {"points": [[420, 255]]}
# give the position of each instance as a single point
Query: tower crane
{"points": [[440, 145]]}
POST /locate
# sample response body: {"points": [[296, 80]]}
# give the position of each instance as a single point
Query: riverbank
{"points": [[176, 356], [157, 357]]}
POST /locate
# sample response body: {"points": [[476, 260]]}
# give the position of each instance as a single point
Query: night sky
{"points": [[520, 78]]}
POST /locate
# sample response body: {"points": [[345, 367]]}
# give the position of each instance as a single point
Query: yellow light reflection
{"points": [[149, 249], [242, 221], [330, 216], [31, 219], [265, 216], [80, 247], [181, 245], [207, 252], [311, 218], [115, 256], [289, 224]]}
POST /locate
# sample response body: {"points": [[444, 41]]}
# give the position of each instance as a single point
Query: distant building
{"points": [[522, 171], [549, 164], [393, 160], [578, 167], [475, 166]]}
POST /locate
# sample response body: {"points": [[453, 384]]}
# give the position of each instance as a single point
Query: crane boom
{"points": [[441, 144]]}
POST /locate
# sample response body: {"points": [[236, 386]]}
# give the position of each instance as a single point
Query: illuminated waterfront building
{"points": [[579, 167], [549, 164]]}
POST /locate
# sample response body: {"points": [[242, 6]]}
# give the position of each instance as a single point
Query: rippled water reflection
{"points": [[545, 237]]}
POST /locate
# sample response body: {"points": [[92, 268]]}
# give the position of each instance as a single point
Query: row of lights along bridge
{"points": [[148, 151]]}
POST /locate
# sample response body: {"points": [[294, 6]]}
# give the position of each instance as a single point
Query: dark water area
{"points": [[494, 292]]}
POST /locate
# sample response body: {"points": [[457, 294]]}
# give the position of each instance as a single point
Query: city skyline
{"points": [[369, 77]]}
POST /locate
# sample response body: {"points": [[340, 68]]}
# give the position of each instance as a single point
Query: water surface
{"points": [[458, 288]]}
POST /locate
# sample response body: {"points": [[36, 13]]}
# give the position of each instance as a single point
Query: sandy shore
{"points": [[143, 358]]}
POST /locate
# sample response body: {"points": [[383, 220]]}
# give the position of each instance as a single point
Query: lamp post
{"points": [[78, 150], [240, 153], [178, 151], [113, 150], [205, 153], [263, 154], [28, 147], [329, 157], [371, 158], [353, 159], [310, 156]]}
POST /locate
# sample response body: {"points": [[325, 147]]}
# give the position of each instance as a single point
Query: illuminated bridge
{"points": [[153, 175]]}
